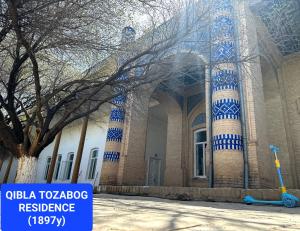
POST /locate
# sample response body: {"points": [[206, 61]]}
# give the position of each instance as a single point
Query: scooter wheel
{"points": [[248, 200], [289, 202]]}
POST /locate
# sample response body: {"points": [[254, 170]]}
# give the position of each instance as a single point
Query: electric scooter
{"points": [[287, 200]]}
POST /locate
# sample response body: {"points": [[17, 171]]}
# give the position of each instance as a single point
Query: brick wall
{"points": [[195, 193], [276, 130], [261, 173], [290, 82]]}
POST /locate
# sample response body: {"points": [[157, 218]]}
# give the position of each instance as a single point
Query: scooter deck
{"points": [[251, 200], [288, 200]]}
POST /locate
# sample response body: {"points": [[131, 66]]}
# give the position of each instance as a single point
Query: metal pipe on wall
{"points": [[242, 108]]}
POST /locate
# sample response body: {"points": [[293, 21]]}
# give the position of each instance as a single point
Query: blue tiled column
{"points": [[226, 119], [114, 138]]}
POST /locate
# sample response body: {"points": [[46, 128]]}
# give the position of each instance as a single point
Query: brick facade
{"points": [[270, 96]]}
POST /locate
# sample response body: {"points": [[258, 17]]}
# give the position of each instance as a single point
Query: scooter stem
{"points": [[274, 150]]}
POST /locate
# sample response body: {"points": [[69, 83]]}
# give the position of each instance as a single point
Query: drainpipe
{"points": [[211, 161], [211, 164], [242, 107], [244, 133]]}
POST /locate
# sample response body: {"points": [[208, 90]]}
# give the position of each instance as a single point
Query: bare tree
{"points": [[45, 45]]}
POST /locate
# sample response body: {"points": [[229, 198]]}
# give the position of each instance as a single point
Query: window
{"points": [[48, 162], [199, 152], [92, 164], [57, 167], [199, 119], [69, 164]]}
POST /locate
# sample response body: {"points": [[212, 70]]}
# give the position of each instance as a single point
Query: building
{"points": [[212, 125]]}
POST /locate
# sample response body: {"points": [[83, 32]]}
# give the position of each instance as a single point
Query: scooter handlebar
{"points": [[274, 148]]}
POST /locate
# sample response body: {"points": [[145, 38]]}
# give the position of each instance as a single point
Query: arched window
{"points": [[57, 167], [199, 152], [48, 162], [69, 165], [92, 164], [200, 119]]}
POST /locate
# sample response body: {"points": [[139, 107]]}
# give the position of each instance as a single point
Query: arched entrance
{"points": [[156, 149], [163, 143], [155, 153]]}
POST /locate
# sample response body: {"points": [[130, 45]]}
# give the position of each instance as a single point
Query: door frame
{"points": [[204, 153], [148, 169]]}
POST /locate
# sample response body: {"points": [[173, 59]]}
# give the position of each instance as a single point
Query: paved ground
{"points": [[117, 213]]}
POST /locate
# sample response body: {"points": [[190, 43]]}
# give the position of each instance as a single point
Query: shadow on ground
{"points": [[113, 212]]}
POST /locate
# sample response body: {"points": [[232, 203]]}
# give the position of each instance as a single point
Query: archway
{"points": [[155, 149], [163, 151]]}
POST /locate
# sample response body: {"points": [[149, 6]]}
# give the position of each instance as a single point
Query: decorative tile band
{"points": [[114, 134], [139, 71], [225, 79], [111, 156], [224, 52], [123, 77], [226, 109], [117, 114], [119, 100], [223, 5], [223, 26], [119, 88], [227, 141]]}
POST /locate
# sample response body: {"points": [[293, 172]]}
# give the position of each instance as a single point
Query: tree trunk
{"points": [[1, 163], [5, 179], [26, 171], [80, 150]]}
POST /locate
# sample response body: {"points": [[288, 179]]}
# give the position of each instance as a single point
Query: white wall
{"points": [[95, 138]]}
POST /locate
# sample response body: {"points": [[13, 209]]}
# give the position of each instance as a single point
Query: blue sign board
{"points": [[46, 207]]}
